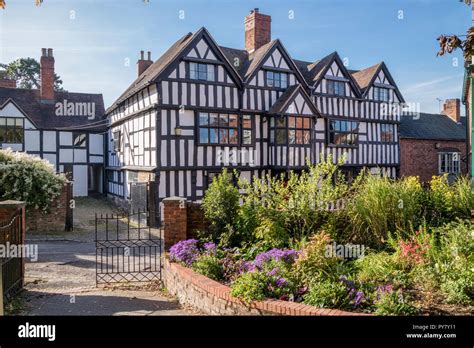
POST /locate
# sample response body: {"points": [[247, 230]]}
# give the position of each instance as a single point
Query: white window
{"points": [[117, 139], [277, 79], [449, 162], [204, 72]]}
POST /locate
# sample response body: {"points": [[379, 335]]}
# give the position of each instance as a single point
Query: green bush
{"points": [[209, 266], [29, 178], [394, 303], [382, 268], [221, 206], [380, 205], [313, 263], [251, 286], [327, 294]]}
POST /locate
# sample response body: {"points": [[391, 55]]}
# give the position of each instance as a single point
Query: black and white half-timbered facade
{"points": [[202, 106], [65, 128]]}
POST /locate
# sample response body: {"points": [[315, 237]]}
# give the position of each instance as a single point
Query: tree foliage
{"points": [[26, 71], [3, 3]]}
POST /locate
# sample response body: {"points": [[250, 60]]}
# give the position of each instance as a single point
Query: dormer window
{"points": [[203, 72], [277, 79], [381, 94], [336, 87]]}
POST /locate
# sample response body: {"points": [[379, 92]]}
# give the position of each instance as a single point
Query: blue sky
{"points": [[94, 40]]}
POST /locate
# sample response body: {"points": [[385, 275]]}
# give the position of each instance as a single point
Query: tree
{"points": [[26, 71], [3, 3], [449, 43]]}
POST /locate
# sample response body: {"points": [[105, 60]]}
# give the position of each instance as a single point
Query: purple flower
{"points": [[281, 282], [275, 255], [383, 290], [348, 283], [185, 251], [273, 272], [210, 248], [359, 298]]}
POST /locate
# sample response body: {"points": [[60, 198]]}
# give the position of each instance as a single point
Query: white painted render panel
{"points": [[65, 139], [80, 180], [96, 146], [66, 156], [32, 140], [50, 158]]}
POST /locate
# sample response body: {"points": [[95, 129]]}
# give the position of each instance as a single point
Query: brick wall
{"points": [[214, 298], [55, 220], [181, 220], [420, 157]]}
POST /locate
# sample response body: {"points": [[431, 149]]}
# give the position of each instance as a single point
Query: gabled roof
{"points": [[366, 77], [43, 115], [155, 69], [314, 71], [281, 105], [433, 127]]}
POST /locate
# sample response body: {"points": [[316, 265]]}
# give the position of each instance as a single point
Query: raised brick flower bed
{"points": [[214, 298]]}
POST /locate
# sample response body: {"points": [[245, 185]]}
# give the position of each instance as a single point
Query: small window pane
{"points": [[280, 122], [233, 136], [247, 137], [281, 136], [213, 119], [203, 135], [213, 135], [299, 137], [283, 79], [306, 137], [223, 120], [10, 121], [233, 121], [247, 121], [307, 123], [299, 122], [292, 122], [203, 118], [19, 122], [291, 137], [224, 136], [210, 72]]}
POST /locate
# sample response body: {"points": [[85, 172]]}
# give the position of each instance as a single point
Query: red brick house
{"points": [[434, 144]]}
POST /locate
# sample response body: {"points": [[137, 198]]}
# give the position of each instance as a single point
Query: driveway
{"points": [[62, 280]]}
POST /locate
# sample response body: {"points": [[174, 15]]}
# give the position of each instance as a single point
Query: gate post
{"points": [[175, 220]]}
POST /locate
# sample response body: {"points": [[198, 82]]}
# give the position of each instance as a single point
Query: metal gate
{"points": [[126, 249], [12, 268]]}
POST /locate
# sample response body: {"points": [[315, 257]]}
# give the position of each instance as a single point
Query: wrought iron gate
{"points": [[12, 272], [126, 249]]}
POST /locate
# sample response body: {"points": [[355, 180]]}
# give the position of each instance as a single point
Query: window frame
{"points": [[335, 83], [281, 125], [451, 162], [377, 94], [195, 74], [343, 132], [117, 141], [17, 130], [383, 133], [275, 73], [219, 127]]}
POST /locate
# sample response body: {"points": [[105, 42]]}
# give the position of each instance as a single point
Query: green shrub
{"points": [[251, 286], [381, 268], [327, 294], [394, 303], [380, 205], [221, 206], [29, 178], [313, 263], [209, 266]]}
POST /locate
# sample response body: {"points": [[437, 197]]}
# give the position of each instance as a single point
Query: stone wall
{"points": [[211, 297], [56, 219]]}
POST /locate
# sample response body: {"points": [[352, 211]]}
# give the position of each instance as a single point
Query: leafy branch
{"points": [[449, 43]]}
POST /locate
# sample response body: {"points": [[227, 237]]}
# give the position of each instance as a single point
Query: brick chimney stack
{"points": [[452, 109], [143, 63], [47, 74], [6, 81], [257, 30]]}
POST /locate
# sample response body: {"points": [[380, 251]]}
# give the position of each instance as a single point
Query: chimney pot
{"points": [[6, 81], [47, 74], [257, 30], [143, 64], [452, 109]]}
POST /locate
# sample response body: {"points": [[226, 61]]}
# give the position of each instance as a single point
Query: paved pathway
{"points": [[62, 282]]}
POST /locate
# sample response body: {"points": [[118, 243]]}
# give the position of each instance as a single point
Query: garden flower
{"points": [[281, 282], [276, 255], [273, 272], [185, 252], [210, 248]]}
